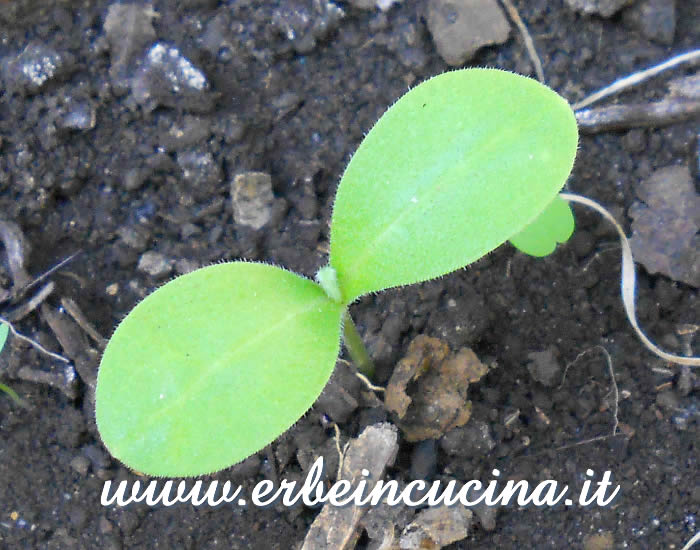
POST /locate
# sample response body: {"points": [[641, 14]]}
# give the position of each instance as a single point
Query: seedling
{"points": [[218, 363], [12, 394]]}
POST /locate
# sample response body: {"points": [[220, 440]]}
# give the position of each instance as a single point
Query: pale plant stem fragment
{"points": [[529, 43], [369, 384], [691, 542], [74, 311], [34, 343], [52, 270], [628, 281], [30, 305], [691, 57]]}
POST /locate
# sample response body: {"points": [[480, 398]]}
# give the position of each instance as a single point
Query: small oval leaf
{"points": [[453, 169], [213, 366], [555, 224]]}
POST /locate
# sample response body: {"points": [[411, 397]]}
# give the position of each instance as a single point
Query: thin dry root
{"points": [[628, 282], [691, 57], [613, 382], [529, 44], [691, 542], [33, 343], [369, 384]]}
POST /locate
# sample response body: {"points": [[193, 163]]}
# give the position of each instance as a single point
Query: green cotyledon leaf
{"points": [[453, 169], [213, 366], [4, 330], [555, 224]]}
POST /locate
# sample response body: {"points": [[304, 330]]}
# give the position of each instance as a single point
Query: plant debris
{"points": [[437, 382], [337, 527]]}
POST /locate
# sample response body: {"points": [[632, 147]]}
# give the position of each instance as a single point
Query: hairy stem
{"points": [[356, 347]]}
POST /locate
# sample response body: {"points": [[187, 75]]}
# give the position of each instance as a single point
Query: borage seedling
{"points": [[218, 363]]}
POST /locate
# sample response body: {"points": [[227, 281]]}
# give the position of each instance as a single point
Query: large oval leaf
{"points": [[213, 366], [453, 169]]}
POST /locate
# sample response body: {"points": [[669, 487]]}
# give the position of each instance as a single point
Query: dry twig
{"points": [[529, 44], [33, 343], [691, 57], [636, 115]]}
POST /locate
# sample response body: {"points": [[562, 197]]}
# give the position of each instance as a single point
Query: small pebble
{"points": [[78, 116], [80, 464], [472, 440], [167, 78], [252, 199], [200, 169], [667, 399], [304, 22], [154, 264], [97, 456], [655, 19], [544, 367], [460, 27], [34, 67], [606, 8]]}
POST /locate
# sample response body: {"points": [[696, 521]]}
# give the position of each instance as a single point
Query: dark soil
{"points": [[299, 117]]}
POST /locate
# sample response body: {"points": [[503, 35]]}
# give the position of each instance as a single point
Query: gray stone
{"points": [[154, 264], [544, 367], [34, 67], [460, 27], [305, 22], [129, 30], [606, 8], [436, 527], [168, 78], [339, 399], [665, 225], [472, 440], [655, 19], [191, 131], [200, 169], [78, 115], [383, 5], [133, 237], [252, 199], [80, 464]]}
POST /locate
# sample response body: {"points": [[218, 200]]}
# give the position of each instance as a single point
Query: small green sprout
{"points": [[218, 363], [4, 331], [12, 394]]}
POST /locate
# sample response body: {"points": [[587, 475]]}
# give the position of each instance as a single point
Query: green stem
{"points": [[356, 347], [12, 394]]}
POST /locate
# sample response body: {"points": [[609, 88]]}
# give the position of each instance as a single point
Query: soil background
{"points": [[292, 97]]}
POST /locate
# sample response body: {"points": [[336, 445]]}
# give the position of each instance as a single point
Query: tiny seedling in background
{"points": [[4, 331], [218, 363], [12, 394]]}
